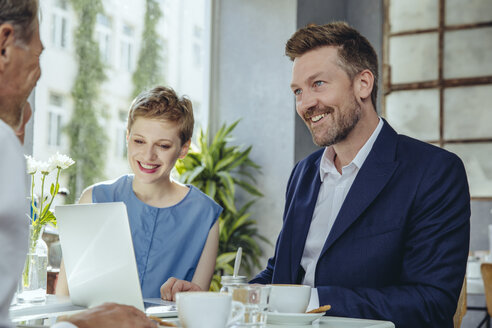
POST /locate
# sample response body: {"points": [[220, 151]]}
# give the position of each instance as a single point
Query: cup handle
{"points": [[238, 308]]}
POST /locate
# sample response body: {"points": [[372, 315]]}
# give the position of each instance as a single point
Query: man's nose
{"points": [[308, 102]]}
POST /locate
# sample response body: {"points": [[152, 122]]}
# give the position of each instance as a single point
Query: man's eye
{"points": [[297, 92], [318, 83], [164, 146], [138, 141]]}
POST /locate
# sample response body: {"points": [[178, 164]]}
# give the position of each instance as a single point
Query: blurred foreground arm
{"points": [[110, 315]]}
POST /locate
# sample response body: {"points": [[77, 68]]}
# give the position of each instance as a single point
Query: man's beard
{"points": [[343, 124]]}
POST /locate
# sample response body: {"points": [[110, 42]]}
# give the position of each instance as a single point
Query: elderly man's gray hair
{"points": [[21, 14]]}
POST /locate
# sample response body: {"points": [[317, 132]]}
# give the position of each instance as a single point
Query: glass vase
{"points": [[32, 286]]}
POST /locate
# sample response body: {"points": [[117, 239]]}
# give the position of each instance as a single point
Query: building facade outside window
{"points": [[104, 31], [127, 48], [197, 46], [118, 33], [59, 24], [55, 120], [120, 135]]}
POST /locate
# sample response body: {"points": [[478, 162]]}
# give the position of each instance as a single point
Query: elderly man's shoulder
{"points": [[8, 139]]}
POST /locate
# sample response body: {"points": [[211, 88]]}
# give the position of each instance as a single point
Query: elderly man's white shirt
{"points": [[14, 224]]}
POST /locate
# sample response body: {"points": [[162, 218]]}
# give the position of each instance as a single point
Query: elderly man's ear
{"points": [[6, 43]]}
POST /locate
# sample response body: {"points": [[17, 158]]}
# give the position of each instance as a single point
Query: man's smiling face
{"points": [[324, 96]]}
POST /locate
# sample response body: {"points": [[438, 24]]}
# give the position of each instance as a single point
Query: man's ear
{"points": [[6, 44], [364, 82], [184, 149]]}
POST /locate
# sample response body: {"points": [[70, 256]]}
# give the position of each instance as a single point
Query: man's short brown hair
{"points": [[355, 53], [163, 103], [22, 14]]}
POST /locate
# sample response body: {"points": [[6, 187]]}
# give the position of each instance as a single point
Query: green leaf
{"points": [[225, 258], [211, 188], [209, 163], [195, 173], [227, 200], [241, 221], [223, 163], [249, 188], [227, 181], [47, 218], [44, 213], [241, 158]]}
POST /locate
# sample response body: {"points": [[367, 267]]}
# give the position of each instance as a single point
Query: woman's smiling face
{"points": [[153, 148]]}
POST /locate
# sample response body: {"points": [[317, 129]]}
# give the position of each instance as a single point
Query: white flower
{"points": [[60, 161], [44, 167], [32, 164]]}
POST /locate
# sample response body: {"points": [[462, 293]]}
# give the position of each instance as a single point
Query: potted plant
{"points": [[217, 168]]}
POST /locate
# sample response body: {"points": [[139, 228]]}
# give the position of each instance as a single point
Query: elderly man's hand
{"points": [[110, 315], [173, 286]]}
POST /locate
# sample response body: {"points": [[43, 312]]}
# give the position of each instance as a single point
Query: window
{"points": [[164, 56], [55, 120], [197, 47], [103, 36], [118, 30], [126, 47], [120, 136], [437, 68], [59, 24]]}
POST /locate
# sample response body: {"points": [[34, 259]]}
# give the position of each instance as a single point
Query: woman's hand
{"points": [[173, 286]]}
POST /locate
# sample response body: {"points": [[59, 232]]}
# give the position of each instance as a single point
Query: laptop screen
{"points": [[98, 252]]}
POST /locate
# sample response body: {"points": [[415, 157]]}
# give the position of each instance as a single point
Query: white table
{"points": [[45, 314], [329, 322]]}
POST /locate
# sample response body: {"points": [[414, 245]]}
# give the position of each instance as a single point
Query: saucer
{"points": [[293, 318]]}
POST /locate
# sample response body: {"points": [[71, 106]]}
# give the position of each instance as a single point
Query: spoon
{"points": [[237, 262]]}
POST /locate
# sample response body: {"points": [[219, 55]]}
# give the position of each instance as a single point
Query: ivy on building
{"points": [[86, 135], [148, 71]]}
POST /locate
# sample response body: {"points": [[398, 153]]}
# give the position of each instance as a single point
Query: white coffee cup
{"points": [[289, 298], [207, 309]]}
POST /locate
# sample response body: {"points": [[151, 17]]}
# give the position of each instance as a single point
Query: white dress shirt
{"points": [[333, 190], [14, 224]]}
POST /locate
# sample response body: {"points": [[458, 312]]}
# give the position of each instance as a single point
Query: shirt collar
{"points": [[327, 164]]}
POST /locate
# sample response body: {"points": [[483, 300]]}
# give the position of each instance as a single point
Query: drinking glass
{"points": [[255, 299]]}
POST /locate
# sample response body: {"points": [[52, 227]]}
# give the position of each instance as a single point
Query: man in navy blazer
{"points": [[378, 223]]}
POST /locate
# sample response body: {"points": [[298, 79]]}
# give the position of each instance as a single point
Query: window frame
{"points": [[441, 84]]}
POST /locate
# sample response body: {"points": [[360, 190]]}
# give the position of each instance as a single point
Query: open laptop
{"points": [[99, 258]]}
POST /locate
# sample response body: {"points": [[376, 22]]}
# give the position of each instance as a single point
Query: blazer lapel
{"points": [[305, 201], [371, 179]]}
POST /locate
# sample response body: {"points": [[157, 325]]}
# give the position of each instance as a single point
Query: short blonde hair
{"points": [[163, 103]]}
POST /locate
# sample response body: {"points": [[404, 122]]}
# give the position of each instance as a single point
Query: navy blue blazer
{"points": [[398, 248]]}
